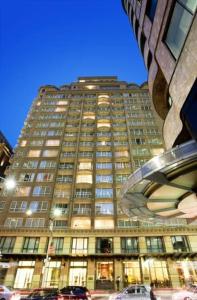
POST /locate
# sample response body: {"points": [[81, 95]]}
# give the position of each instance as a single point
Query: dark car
{"points": [[44, 294], [75, 293]]}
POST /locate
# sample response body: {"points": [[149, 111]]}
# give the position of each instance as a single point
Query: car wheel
{"points": [[2, 299]]}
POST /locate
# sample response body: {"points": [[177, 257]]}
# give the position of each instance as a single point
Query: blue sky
{"points": [[54, 42]]}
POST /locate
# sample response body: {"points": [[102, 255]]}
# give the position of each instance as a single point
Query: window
{"points": [[23, 191], [34, 153], [36, 143], [31, 164], [85, 166], [64, 178], [104, 193], [122, 165], [28, 177], [41, 191], [47, 164], [50, 153], [129, 245], [104, 178], [121, 154], [18, 206], [38, 206], [82, 209], [2, 205], [34, 222], [44, 177], [7, 244], [52, 143], [104, 208], [79, 246], [151, 8], [104, 245], [103, 154], [121, 178], [155, 244], [180, 243], [13, 222], [83, 193], [104, 165], [101, 223], [66, 166], [23, 143], [84, 178], [63, 207], [30, 245], [60, 223], [179, 25], [58, 244], [141, 151]]}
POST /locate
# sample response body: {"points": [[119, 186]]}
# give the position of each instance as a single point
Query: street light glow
{"points": [[29, 212], [57, 212], [10, 183]]}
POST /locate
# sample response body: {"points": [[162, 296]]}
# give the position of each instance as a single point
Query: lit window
{"points": [[179, 25], [31, 164], [104, 208], [79, 246], [34, 153], [29, 177], [104, 178], [52, 143], [41, 190], [34, 222], [58, 109], [38, 206], [23, 143], [23, 191], [157, 151], [104, 193], [84, 178], [47, 164], [81, 223], [13, 222], [103, 123], [103, 224], [50, 153], [85, 166], [122, 154], [44, 177], [18, 206]]}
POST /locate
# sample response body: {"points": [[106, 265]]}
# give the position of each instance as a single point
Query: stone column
{"points": [[173, 273], [37, 275], [91, 271]]}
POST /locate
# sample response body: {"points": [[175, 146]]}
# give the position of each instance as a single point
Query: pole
{"points": [[47, 258]]}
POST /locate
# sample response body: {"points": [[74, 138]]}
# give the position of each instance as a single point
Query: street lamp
{"points": [[56, 213], [9, 183]]}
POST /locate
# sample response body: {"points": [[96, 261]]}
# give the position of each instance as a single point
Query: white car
{"points": [[188, 294], [138, 291], [7, 294]]}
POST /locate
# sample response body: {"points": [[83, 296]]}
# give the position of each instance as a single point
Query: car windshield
{"points": [[42, 293], [74, 290]]}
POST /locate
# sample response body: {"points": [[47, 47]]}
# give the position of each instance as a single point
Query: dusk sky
{"points": [[56, 41]]}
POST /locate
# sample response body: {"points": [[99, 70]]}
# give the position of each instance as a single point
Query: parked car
{"points": [[44, 294], [8, 294], [189, 293], [75, 292], [138, 291]]}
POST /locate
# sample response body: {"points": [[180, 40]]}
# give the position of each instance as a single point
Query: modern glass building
{"points": [[80, 142]]}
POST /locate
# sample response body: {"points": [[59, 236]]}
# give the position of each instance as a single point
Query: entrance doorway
{"points": [[78, 273]]}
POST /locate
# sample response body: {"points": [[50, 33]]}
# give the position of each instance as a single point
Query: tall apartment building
{"points": [[5, 153], [165, 31], [79, 144]]}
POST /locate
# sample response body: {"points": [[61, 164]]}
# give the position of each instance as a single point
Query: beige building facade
{"points": [[80, 142]]}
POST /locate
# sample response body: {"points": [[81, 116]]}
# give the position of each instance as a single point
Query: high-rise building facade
{"points": [[5, 153], [79, 144], [166, 34]]}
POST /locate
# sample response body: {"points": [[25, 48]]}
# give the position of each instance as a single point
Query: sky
{"points": [[55, 42]]}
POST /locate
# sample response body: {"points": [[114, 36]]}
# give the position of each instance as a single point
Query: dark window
{"points": [[154, 244], [136, 28], [129, 245], [179, 25], [7, 244], [31, 245], [179, 243], [151, 8], [149, 60], [104, 245]]}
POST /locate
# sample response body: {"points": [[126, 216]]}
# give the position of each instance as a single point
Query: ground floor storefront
{"points": [[97, 273]]}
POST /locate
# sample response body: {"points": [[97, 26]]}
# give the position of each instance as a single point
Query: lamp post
{"points": [[55, 213]]}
